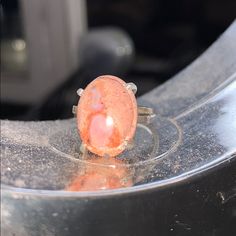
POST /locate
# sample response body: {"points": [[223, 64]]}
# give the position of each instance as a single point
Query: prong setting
{"points": [[130, 144], [83, 149], [74, 110], [79, 91], [131, 86]]}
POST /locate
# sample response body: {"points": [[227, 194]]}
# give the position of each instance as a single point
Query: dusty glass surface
{"points": [[47, 156]]}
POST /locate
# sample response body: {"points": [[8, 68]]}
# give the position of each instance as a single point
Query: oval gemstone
{"points": [[107, 116]]}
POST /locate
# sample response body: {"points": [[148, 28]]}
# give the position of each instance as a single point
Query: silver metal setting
{"points": [[145, 115], [130, 144], [131, 86], [79, 91], [74, 110], [83, 150]]}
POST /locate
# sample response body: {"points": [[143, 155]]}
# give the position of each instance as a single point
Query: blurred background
{"points": [[51, 48]]}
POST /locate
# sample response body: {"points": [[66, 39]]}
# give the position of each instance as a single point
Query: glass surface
{"points": [[60, 159]]}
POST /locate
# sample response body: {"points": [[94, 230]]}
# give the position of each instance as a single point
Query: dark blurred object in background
{"points": [[40, 44], [107, 50], [167, 36]]}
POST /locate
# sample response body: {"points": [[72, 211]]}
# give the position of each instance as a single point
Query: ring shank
{"points": [[145, 115]]}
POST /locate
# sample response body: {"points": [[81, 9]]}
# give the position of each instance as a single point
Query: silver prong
{"points": [[130, 144], [83, 148], [125, 143], [132, 87], [79, 91], [74, 110]]}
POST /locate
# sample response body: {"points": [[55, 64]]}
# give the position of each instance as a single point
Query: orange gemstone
{"points": [[101, 174], [107, 116]]}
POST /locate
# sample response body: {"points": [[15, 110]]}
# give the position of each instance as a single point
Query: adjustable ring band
{"points": [[145, 115]]}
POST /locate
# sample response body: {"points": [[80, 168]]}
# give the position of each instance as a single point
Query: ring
{"points": [[107, 115]]}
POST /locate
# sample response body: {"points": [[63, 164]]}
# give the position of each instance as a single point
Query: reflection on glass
{"points": [[102, 173]]}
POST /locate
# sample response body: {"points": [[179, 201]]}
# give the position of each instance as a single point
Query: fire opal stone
{"points": [[107, 116]]}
